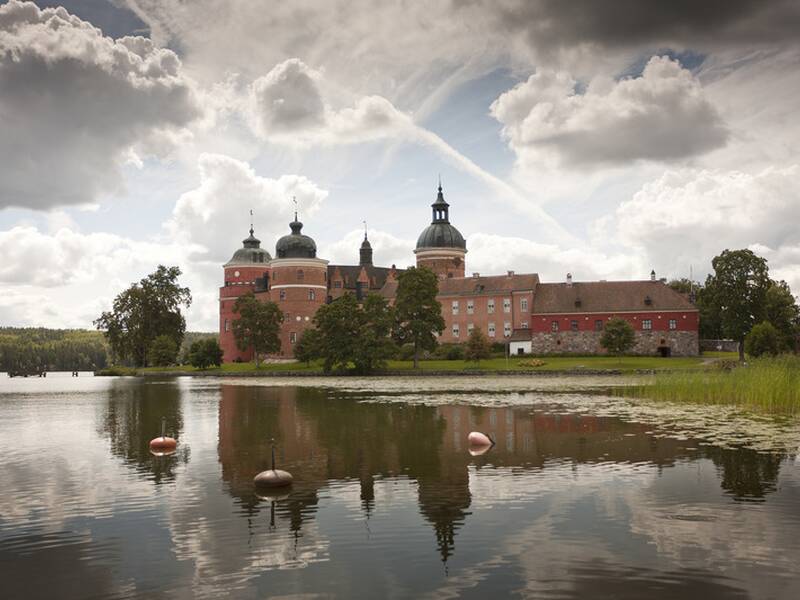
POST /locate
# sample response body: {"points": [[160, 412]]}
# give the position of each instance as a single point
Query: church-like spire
{"points": [[365, 252], [441, 209]]}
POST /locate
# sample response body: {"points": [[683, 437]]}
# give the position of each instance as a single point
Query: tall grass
{"points": [[769, 385]]}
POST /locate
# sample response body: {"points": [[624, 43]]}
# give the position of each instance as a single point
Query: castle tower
{"points": [[248, 270], [441, 247], [299, 283], [365, 252]]}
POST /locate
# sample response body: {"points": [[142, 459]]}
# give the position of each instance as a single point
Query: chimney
{"points": [[476, 275], [569, 279], [511, 273], [653, 275]]}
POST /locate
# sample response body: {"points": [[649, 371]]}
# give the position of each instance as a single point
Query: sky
{"points": [[602, 139]]}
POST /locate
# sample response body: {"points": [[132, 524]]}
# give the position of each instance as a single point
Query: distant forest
{"points": [[33, 349]]}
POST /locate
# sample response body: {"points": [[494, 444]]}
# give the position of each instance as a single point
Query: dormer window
{"points": [[648, 300], [578, 302]]}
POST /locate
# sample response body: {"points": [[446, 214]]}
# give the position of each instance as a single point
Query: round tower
{"points": [[246, 271], [298, 283], [441, 247]]}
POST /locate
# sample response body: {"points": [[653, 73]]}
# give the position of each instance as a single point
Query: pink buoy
{"points": [[163, 445], [478, 439]]}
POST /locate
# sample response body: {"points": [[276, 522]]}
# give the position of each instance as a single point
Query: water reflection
{"points": [[132, 418]]}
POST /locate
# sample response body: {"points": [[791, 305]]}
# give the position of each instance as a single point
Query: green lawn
{"points": [[517, 363]]}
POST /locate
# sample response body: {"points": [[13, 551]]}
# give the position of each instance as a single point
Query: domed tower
{"points": [[365, 253], [441, 247], [247, 265], [299, 283]]}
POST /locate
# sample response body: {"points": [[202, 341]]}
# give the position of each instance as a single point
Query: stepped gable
{"points": [[608, 297], [350, 273]]}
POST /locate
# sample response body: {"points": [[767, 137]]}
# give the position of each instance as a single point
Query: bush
{"points": [[763, 340], [205, 353], [455, 352], [478, 346], [162, 351], [406, 352]]}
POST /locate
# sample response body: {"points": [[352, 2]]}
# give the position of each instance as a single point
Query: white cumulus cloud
{"points": [[661, 115], [73, 103]]}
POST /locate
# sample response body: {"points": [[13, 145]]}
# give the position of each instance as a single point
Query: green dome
{"points": [[250, 252], [440, 233], [296, 245]]}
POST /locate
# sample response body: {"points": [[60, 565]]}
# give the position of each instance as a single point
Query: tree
{"points": [[417, 312], [618, 336], [162, 351], [478, 346], [307, 347], [780, 309], [350, 333], [145, 311], [258, 325], [763, 339], [374, 345], [205, 353], [736, 292]]}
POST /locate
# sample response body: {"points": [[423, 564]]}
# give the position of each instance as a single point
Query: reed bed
{"points": [[770, 385]]}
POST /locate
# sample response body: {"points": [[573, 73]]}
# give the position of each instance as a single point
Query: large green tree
{"points": [[350, 333], [735, 293], [307, 348], [780, 309], [145, 311], [417, 311], [205, 353], [258, 326], [478, 346]]}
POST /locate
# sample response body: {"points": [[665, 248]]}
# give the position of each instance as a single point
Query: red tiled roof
{"points": [[482, 286], [607, 296]]}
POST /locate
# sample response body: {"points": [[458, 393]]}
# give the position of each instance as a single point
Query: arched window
{"points": [[312, 295], [300, 275]]}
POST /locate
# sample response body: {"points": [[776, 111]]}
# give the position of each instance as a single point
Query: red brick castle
{"points": [[533, 317]]}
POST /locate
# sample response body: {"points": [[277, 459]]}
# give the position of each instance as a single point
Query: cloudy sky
{"points": [[598, 138]]}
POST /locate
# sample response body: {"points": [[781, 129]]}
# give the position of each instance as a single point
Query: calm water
{"points": [[584, 495]]}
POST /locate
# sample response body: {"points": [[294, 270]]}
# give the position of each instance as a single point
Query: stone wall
{"points": [[681, 343]]}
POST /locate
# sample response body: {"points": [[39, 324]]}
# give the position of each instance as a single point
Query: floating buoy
{"points": [[478, 450], [273, 478], [162, 446], [477, 439]]}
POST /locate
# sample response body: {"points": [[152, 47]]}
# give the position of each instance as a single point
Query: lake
{"points": [[584, 496]]}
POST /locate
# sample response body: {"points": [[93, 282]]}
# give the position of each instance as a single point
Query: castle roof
{"points": [[296, 244], [250, 252], [350, 273], [608, 297], [493, 285], [440, 233]]}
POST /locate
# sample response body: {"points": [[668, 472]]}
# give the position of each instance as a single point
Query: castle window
{"points": [[598, 325], [312, 295], [455, 307], [647, 324], [554, 326], [455, 330], [300, 275], [470, 307], [523, 304], [506, 305], [470, 327], [573, 325], [524, 325], [673, 323], [282, 295], [491, 330], [337, 284], [490, 306], [292, 337], [227, 325], [506, 329]]}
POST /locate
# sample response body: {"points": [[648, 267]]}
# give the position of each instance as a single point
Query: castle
{"points": [[531, 316]]}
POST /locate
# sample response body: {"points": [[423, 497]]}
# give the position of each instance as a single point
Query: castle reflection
{"points": [[325, 437]]}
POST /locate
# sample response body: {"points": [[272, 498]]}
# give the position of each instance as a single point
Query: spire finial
{"points": [[440, 182], [365, 229], [294, 199], [251, 222]]}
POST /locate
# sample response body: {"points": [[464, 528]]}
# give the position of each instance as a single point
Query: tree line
{"points": [[34, 350]]}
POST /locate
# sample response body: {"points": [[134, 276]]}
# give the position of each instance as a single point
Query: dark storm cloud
{"points": [[555, 24]]}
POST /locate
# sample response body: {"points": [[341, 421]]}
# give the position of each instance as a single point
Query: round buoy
{"points": [[163, 444], [273, 478], [478, 450], [478, 439]]}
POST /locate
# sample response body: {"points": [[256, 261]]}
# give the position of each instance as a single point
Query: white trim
{"points": [[434, 252], [297, 285], [616, 312], [277, 263]]}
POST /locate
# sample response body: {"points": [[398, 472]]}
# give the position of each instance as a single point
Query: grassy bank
{"points": [[625, 364], [769, 385]]}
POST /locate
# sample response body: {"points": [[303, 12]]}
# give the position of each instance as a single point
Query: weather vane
{"points": [[365, 229], [294, 200]]}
